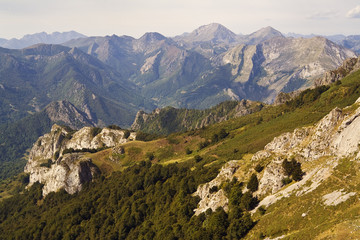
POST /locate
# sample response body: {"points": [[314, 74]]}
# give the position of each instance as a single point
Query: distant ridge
{"points": [[42, 37]]}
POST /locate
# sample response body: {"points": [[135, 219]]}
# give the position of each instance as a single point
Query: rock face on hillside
{"points": [[215, 199], [334, 137], [48, 165], [350, 65], [66, 113]]}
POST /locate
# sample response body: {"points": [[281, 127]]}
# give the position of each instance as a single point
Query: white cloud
{"points": [[354, 13]]}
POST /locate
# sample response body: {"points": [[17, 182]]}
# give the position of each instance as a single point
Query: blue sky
{"points": [[173, 17]]}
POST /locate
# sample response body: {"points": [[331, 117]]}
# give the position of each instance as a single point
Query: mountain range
{"points": [[111, 78], [43, 37], [212, 64]]}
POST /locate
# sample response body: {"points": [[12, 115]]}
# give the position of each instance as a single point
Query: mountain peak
{"points": [[213, 32], [263, 34], [151, 37]]}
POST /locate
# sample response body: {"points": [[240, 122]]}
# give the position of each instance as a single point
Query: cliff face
{"points": [[318, 148], [48, 165]]}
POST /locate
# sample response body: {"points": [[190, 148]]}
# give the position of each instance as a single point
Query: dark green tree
{"points": [[253, 183]]}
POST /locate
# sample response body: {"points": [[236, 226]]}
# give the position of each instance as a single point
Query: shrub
{"points": [[95, 131], [286, 181], [141, 136], [223, 134], [126, 134], [204, 144], [25, 179], [253, 183], [215, 138], [47, 164], [114, 127], [213, 189], [150, 156], [68, 150], [188, 151], [293, 169], [248, 202], [261, 210], [198, 158], [258, 168]]}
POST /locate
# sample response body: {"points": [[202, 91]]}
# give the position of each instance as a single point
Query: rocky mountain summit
{"points": [[318, 148], [57, 159]]}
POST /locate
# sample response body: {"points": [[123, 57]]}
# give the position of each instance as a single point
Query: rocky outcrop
{"points": [[337, 197], [215, 199], [282, 97], [49, 164], [350, 65], [69, 173], [142, 118]]}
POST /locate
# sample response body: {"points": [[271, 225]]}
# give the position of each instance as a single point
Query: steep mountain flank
{"points": [[49, 73], [169, 120], [66, 113], [349, 66]]}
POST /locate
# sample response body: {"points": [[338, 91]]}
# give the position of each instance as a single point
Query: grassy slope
{"points": [[251, 133], [248, 134], [306, 217]]}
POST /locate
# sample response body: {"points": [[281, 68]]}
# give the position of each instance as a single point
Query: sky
{"points": [[174, 17]]}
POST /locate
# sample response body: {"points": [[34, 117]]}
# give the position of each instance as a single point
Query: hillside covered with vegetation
{"points": [[146, 192]]}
